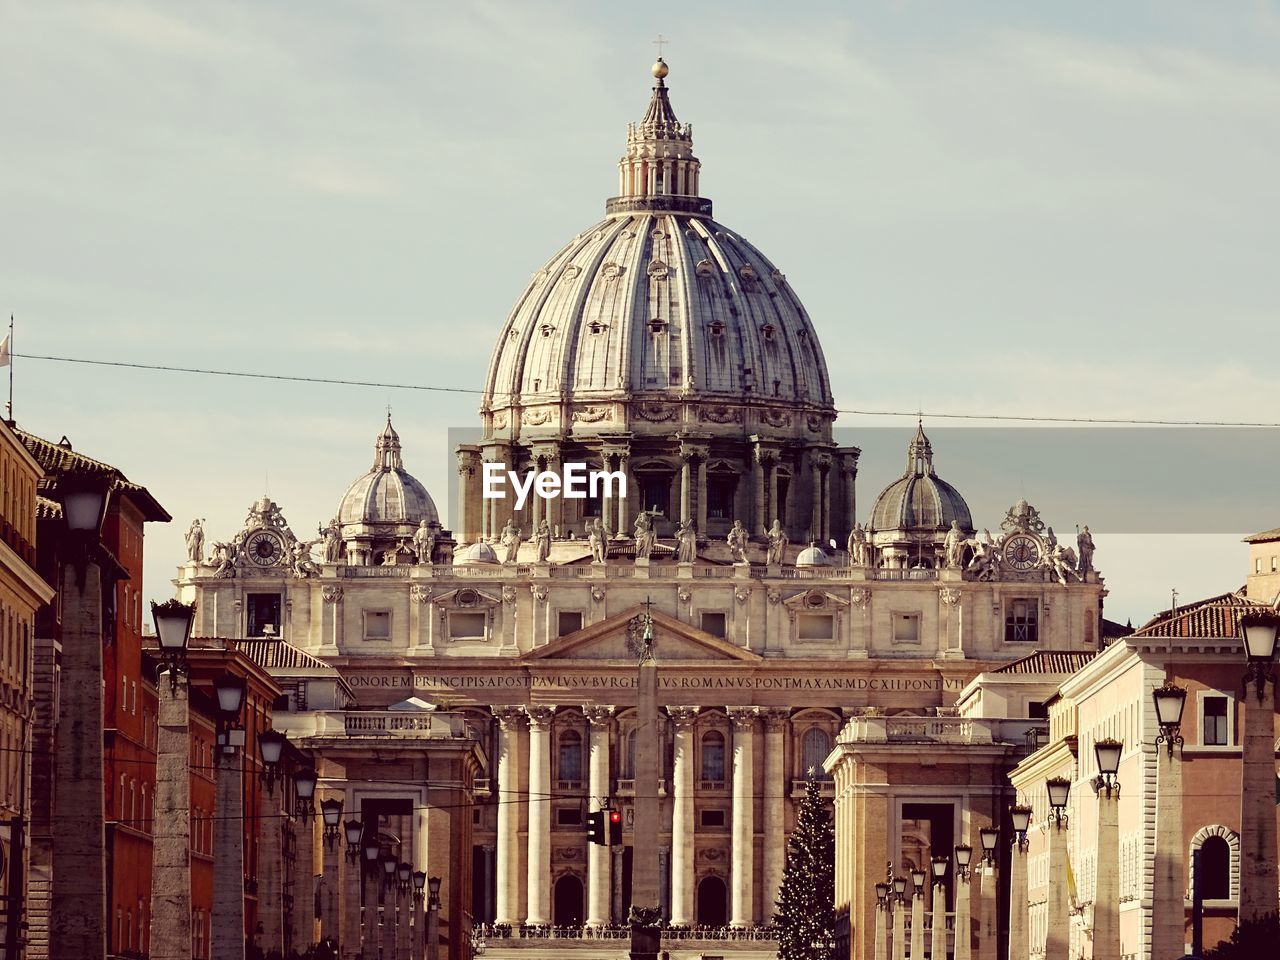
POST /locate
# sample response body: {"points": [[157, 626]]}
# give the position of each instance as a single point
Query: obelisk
{"points": [[645, 906]]}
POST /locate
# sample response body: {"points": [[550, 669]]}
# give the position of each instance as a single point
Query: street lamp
{"points": [[900, 888], [1259, 632], [271, 747], [1169, 699], [404, 874], [419, 884], [917, 880], [939, 867], [331, 813], [229, 690], [354, 833], [1020, 814], [1108, 753], [964, 857], [173, 630], [882, 895], [304, 789], [989, 837], [371, 850], [1059, 789], [388, 870], [433, 917]]}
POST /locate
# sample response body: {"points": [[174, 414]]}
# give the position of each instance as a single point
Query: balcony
{"points": [[403, 724], [881, 729]]}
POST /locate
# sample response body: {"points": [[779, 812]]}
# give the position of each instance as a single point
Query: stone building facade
{"points": [[660, 344]]}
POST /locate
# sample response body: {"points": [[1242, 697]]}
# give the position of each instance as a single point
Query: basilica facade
{"points": [[660, 344]]}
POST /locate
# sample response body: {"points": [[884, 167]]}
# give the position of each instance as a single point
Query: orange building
{"points": [[129, 709]]}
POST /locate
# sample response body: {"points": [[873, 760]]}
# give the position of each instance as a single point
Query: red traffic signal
{"points": [[615, 828]]}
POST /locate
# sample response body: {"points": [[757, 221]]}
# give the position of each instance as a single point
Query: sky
{"points": [[1003, 208]]}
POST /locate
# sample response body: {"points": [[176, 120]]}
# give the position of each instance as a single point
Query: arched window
{"points": [[1215, 869], [570, 755], [713, 756], [814, 749]]}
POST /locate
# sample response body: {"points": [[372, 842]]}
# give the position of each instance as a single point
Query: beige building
{"points": [[22, 592], [661, 344]]}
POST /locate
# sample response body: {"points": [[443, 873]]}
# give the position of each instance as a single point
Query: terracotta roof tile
{"points": [[1049, 661], [1215, 618], [59, 459], [1264, 536]]}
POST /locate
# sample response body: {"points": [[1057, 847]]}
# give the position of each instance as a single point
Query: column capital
{"points": [[743, 718], [683, 717], [539, 716], [508, 717], [597, 715], [775, 718]]}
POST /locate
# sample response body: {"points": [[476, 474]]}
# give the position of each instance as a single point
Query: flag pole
{"points": [[9, 405]]}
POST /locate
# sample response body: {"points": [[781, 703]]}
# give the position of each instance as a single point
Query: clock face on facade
{"points": [[264, 548], [1021, 551]]}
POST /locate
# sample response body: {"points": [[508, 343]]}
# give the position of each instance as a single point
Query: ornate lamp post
{"points": [[353, 833], [1019, 938], [226, 918], [304, 791], [918, 878], [404, 877], [79, 892], [882, 932], [963, 949], [1057, 939], [171, 826], [433, 918], [938, 909], [1106, 898], [229, 691], [331, 816], [419, 914], [1168, 915], [1259, 632], [899, 918], [271, 748], [989, 839]]}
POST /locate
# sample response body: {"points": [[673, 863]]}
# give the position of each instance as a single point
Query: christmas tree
{"points": [[806, 900]]}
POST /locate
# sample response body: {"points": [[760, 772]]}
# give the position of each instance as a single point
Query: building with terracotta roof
{"points": [[1264, 565]]}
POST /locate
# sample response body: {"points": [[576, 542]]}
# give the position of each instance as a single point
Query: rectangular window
{"points": [[906, 628], [569, 621], [1275, 564], [569, 817], [712, 818], [720, 491], [1214, 731], [655, 489], [714, 624], [815, 626], [466, 626], [1020, 622], [263, 612], [1037, 710], [377, 624]]}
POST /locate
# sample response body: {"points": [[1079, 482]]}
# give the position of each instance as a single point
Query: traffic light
{"points": [[615, 828], [595, 827]]}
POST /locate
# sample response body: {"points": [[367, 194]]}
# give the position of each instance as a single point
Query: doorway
{"points": [[713, 902], [567, 908]]}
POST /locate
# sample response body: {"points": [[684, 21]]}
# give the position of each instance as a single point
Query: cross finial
{"points": [[388, 411], [659, 43]]}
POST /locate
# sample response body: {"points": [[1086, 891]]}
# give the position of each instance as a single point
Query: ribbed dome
{"points": [[387, 493], [654, 304], [920, 501]]}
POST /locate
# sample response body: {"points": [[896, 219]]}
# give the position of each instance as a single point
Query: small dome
{"points": [[813, 556], [920, 500], [476, 553], [387, 493]]}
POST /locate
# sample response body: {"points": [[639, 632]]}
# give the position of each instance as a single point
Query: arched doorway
{"points": [[568, 909], [713, 902]]}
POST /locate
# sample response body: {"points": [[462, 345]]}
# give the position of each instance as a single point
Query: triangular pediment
{"points": [[672, 641]]}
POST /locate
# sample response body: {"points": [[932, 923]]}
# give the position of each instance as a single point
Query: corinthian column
{"points": [[774, 851], [742, 859], [539, 885], [507, 906], [682, 826], [598, 886]]}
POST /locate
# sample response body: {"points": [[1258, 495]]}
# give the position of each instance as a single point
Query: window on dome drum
{"points": [[906, 628], [720, 494], [262, 611], [815, 626], [569, 766], [467, 626], [1214, 732], [1021, 622], [569, 621], [377, 624], [655, 489], [713, 756], [814, 747], [1215, 869], [713, 623]]}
